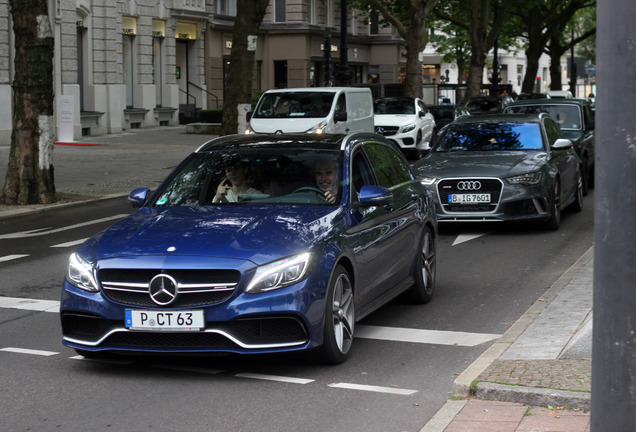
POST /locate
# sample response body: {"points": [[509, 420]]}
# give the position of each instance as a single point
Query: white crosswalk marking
{"points": [[377, 389], [45, 231], [274, 378], [29, 304], [69, 244], [436, 337], [29, 351], [11, 257]]}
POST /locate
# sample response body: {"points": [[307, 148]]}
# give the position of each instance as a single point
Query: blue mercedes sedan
{"points": [[256, 244]]}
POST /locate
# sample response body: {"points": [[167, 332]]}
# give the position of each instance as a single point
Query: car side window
{"points": [[387, 165], [361, 173], [552, 130], [341, 104], [422, 106]]}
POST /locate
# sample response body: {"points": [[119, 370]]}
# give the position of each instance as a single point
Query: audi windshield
{"points": [[490, 137]]}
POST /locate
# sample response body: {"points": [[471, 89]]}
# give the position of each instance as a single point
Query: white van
{"points": [[313, 110]]}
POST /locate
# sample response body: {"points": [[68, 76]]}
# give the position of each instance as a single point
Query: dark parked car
{"points": [[487, 104], [576, 119], [256, 244], [445, 114], [526, 96], [507, 167]]}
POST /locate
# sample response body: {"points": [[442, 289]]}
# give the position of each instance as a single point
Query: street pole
{"points": [[572, 67], [344, 75], [614, 328], [327, 56]]}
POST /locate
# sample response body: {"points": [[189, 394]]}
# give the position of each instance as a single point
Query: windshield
{"points": [[567, 116], [394, 106], [491, 137], [255, 177], [294, 105]]}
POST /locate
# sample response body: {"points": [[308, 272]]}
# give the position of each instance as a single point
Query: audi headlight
{"points": [[319, 128], [428, 181], [529, 179], [408, 128], [281, 273], [81, 273]]}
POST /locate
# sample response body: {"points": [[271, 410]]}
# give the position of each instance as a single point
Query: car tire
{"points": [[339, 319], [555, 208], [577, 205], [425, 270], [586, 174]]}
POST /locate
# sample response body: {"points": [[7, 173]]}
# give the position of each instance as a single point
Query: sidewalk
{"points": [[537, 377]]}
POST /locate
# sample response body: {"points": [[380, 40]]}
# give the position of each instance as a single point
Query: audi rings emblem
{"points": [[468, 185], [163, 289]]}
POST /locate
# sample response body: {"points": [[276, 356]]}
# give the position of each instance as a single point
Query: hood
{"points": [[258, 234], [483, 164], [284, 125], [572, 135], [393, 119]]}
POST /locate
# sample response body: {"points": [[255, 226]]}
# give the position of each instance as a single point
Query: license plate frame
{"points": [[191, 320], [472, 198]]}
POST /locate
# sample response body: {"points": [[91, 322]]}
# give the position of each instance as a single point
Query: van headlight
{"points": [[319, 128], [281, 273], [81, 273]]}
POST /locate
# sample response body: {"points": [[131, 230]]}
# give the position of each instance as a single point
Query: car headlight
{"points": [[529, 179], [427, 181], [249, 130], [281, 273], [81, 273], [408, 128], [319, 128]]}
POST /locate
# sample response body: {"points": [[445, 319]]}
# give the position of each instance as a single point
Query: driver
{"points": [[327, 179]]}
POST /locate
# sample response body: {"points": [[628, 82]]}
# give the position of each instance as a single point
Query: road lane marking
{"points": [[29, 351], [69, 244], [376, 389], [45, 231], [434, 337], [467, 237], [30, 304], [11, 257], [276, 378], [396, 334]]}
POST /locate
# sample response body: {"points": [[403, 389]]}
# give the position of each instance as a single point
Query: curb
{"points": [[21, 210], [462, 385], [534, 396]]}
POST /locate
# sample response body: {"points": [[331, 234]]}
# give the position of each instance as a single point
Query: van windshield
{"points": [[294, 105]]}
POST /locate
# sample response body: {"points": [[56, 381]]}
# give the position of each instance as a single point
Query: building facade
{"points": [[143, 63]]}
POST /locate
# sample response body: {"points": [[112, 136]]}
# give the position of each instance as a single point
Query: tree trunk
{"points": [[475, 73], [249, 16], [532, 68], [29, 177], [413, 45]]}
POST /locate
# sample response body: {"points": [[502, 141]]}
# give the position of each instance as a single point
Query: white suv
{"points": [[404, 121]]}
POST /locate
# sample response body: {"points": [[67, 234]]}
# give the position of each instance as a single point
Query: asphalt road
{"points": [[488, 275]]}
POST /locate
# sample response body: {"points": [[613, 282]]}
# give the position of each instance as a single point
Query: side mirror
{"points": [[562, 144], [138, 197], [248, 116], [375, 196], [340, 116]]}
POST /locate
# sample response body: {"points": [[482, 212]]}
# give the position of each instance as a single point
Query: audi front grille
{"points": [[491, 186], [193, 287]]}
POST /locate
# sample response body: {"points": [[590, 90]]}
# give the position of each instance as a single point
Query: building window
{"points": [[374, 22], [158, 34], [280, 74], [81, 60], [129, 30], [329, 13], [311, 11], [280, 12], [226, 7]]}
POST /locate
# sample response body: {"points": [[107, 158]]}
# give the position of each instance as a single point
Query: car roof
{"points": [[284, 141], [551, 101], [500, 118]]}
